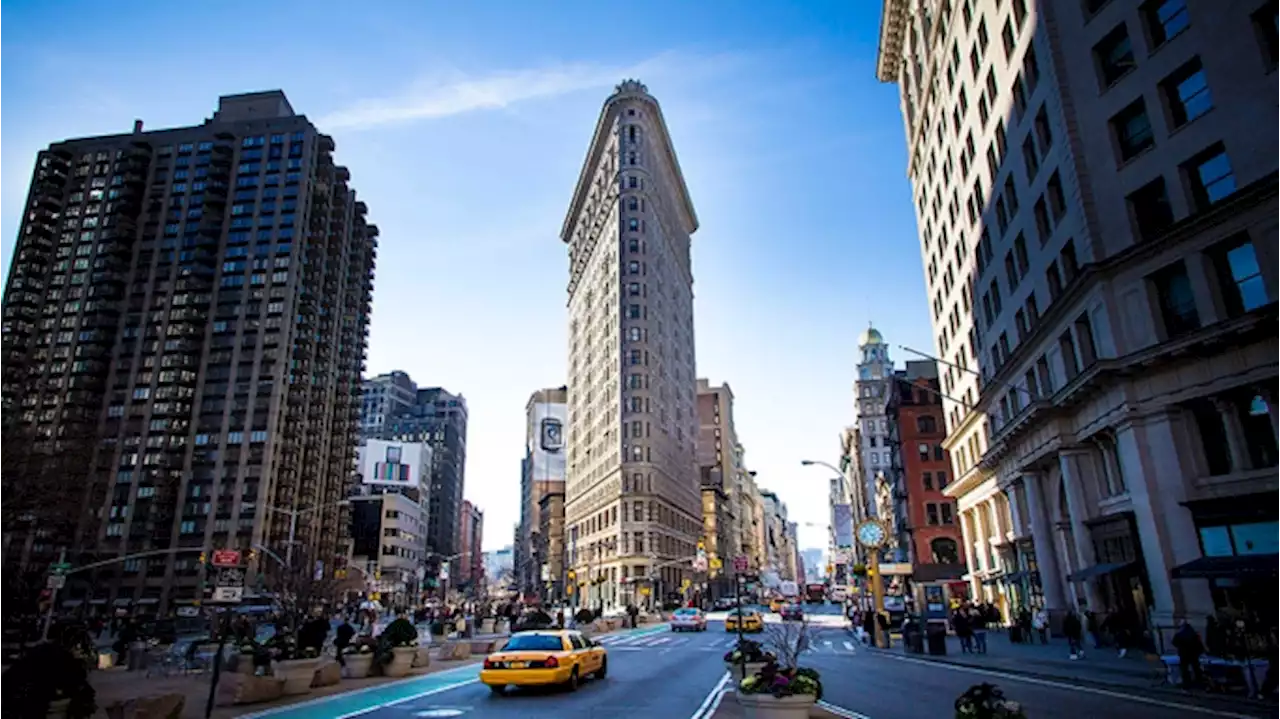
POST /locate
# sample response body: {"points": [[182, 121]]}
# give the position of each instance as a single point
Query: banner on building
{"points": [[843, 518], [547, 449]]}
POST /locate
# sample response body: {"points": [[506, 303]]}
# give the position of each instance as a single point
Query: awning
{"points": [[123, 602], [1247, 566], [1097, 570], [1015, 577], [992, 581]]}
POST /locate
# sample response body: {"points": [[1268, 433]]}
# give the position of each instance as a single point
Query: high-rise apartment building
{"points": [[184, 328], [542, 473], [385, 397], [1095, 186], [439, 418], [720, 477], [631, 499]]}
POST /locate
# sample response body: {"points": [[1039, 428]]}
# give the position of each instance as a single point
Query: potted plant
{"points": [[746, 658], [986, 701], [359, 661], [397, 646], [296, 667], [782, 689]]}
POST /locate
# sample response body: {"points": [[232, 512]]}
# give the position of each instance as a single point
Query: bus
{"points": [[815, 593]]}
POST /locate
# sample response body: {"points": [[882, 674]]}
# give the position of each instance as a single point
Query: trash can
{"points": [[936, 638], [138, 658]]}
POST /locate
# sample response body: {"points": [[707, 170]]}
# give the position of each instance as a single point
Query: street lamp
{"points": [[293, 523]]}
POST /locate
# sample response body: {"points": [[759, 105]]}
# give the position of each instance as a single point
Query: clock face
{"points": [[871, 533]]}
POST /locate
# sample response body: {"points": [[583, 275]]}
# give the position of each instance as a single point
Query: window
{"points": [[1008, 39], [1150, 207], [1132, 130], [1239, 275], [1177, 300], [633, 289], [633, 268], [1114, 56], [1057, 200], [931, 511], [633, 224], [945, 551], [927, 479], [1265, 25], [926, 424], [948, 516], [1210, 176], [1186, 93], [633, 312], [924, 452], [1030, 158], [1164, 19]]}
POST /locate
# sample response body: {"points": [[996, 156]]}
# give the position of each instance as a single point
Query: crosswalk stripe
{"points": [[848, 645]]}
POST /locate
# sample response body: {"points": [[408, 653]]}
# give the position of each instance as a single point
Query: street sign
{"points": [[57, 581], [228, 595], [226, 558], [60, 568], [716, 563], [740, 563], [228, 585]]}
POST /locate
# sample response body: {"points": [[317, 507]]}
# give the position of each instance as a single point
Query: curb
{"points": [[1161, 690]]}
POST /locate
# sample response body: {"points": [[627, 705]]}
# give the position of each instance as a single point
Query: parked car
{"points": [[688, 619], [726, 603]]}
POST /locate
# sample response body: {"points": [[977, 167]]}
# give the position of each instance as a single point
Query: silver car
{"points": [[688, 619]]}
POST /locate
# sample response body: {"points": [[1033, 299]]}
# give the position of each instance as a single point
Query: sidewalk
{"points": [[1052, 660]]}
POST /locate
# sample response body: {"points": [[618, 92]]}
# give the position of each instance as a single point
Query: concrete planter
{"points": [[401, 662], [486, 626], [502, 626], [735, 669], [297, 674], [358, 665], [767, 706], [58, 708], [422, 658]]}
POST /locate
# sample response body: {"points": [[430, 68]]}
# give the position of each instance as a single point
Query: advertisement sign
{"points": [[395, 463], [547, 441], [843, 518]]}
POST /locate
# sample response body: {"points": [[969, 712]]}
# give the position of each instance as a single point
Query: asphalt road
{"points": [[654, 672]]}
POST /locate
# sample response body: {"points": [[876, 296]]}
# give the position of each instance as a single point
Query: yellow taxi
{"points": [[541, 658], [750, 618], [776, 604]]}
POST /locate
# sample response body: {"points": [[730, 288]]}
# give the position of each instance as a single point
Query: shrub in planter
{"points": [[397, 646], [48, 675], [779, 693], [584, 616], [986, 701], [359, 662]]}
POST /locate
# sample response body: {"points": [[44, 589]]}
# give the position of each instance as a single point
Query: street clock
{"points": [[872, 533]]}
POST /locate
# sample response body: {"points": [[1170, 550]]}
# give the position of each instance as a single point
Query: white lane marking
{"points": [[656, 642], [1075, 688], [712, 701], [848, 646], [628, 649], [473, 666], [437, 690], [842, 712]]}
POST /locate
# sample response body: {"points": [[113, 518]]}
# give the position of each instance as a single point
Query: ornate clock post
{"points": [[872, 534]]}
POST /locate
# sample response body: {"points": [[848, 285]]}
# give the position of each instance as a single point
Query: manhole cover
{"points": [[439, 713]]}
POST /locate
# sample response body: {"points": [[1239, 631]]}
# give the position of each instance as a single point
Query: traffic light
{"points": [[204, 558]]}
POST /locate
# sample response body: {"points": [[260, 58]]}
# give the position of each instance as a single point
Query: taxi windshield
{"points": [[533, 642]]}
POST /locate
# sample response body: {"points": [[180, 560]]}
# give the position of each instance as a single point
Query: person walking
{"points": [[978, 619], [963, 629], [342, 639], [1072, 629], [1040, 623], [1190, 649]]}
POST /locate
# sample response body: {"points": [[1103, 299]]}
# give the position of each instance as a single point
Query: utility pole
{"points": [[57, 578]]}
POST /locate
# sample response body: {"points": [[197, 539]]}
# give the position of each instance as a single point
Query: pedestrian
{"points": [[978, 620], [1091, 626], [634, 613], [1072, 630], [1040, 622], [342, 639], [1190, 649], [963, 629]]}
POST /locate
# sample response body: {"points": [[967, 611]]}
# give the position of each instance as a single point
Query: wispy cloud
{"points": [[458, 93]]}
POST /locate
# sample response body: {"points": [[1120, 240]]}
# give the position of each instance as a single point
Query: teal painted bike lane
{"points": [[359, 701]]}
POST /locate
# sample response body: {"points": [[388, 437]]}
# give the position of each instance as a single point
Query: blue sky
{"points": [[464, 126]]}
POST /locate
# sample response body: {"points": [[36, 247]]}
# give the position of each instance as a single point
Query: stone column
{"points": [[1015, 510], [966, 534], [1076, 470], [1158, 461], [1234, 431], [1042, 539]]}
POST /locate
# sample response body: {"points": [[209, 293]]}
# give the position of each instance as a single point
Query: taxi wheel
{"points": [[604, 668], [572, 684], [498, 690]]}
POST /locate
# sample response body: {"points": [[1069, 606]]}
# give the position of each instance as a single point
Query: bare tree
{"points": [[788, 640]]}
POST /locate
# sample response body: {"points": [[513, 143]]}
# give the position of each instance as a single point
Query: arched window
{"points": [[945, 551], [633, 204]]}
